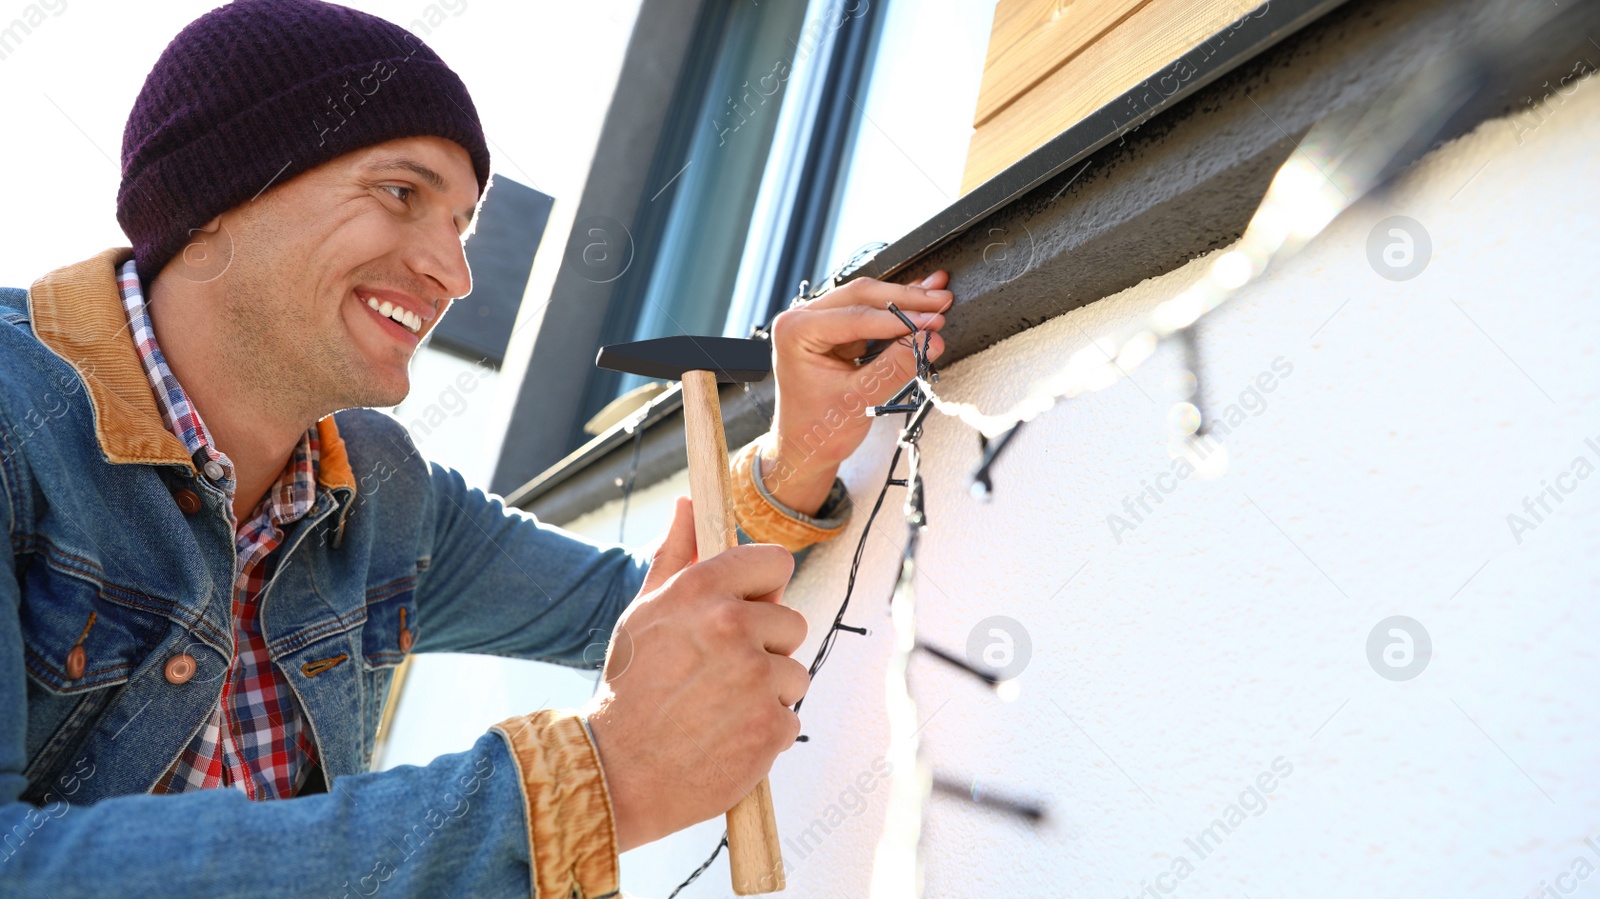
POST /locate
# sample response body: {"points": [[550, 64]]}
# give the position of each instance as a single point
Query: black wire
{"points": [[955, 661], [1032, 812], [702, 869], [991, 451], [924, 368], [633, 472], [838, 625]]}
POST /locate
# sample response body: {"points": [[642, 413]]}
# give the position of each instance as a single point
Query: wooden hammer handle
{"points": [[753, 852]]}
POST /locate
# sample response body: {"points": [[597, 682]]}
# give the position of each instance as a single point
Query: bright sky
{"points": [[540, 71]]}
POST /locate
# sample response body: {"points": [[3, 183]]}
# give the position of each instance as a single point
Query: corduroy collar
{"points": [[77, 312]]}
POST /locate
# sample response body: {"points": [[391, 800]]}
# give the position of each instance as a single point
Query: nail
{"points": [[928, 281]]}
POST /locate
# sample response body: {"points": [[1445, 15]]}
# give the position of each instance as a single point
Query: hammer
{"points": [[701, 362]]}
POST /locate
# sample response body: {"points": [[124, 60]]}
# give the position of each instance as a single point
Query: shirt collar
{"points": [[295, 490]]}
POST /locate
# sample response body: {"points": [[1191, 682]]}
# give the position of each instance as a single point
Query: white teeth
{"points": [[411, 320]]}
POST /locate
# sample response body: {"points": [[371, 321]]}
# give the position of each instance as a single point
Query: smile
{"points": [[409, 320]]}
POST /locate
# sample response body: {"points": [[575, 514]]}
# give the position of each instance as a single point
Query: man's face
{"points": [[382, 226]]}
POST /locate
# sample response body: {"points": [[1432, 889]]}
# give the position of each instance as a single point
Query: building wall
{"points": [[1220, 644]]}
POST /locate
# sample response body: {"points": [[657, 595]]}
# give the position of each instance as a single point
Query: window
{"points": [[916, 123], [705, 177], [805, 134]]}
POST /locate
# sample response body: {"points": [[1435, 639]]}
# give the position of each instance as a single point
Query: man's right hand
{"points": [[694, 704]]}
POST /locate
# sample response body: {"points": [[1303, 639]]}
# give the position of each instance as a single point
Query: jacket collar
{"points": [[77, 312]]}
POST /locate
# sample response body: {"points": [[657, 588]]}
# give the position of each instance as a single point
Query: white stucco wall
{"points": [[1227, 633]]}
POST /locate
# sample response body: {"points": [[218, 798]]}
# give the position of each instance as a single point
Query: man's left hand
{"points": [[822, 395]]}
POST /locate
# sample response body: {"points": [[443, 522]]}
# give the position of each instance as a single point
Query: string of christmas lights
{"points": [[1343, 157]]}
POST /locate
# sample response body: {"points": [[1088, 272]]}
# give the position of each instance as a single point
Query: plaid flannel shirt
{"points": [[255, 739]]}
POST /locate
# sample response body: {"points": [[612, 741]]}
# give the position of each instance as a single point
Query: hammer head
{"points": [[732, 359]]}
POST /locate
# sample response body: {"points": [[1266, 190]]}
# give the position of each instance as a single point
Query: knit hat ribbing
{"points": [[256, 92]]}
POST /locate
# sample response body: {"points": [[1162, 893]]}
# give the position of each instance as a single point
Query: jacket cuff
{"points": [[766, 520], [572, 836]]}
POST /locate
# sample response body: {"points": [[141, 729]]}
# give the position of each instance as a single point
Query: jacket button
{"points": [[75, 662], [188, 500], [405, 639], [180, 668]]}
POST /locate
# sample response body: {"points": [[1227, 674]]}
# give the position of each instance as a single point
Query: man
{"points": [[212, 576]]}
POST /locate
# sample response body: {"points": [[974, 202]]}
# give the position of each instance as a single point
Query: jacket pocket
{"points": [[79, 648], [387, 637], [75, 638], [390, 628]]}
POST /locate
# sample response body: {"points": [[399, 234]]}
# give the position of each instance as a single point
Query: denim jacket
{"points": [[396, 554], [122, 565]]}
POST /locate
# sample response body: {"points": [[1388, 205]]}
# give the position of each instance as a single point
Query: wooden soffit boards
{"points": [[1033, 38], [1053, 62]]}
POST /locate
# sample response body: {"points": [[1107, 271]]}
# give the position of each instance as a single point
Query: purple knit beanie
{"points": [[256, 92]]}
